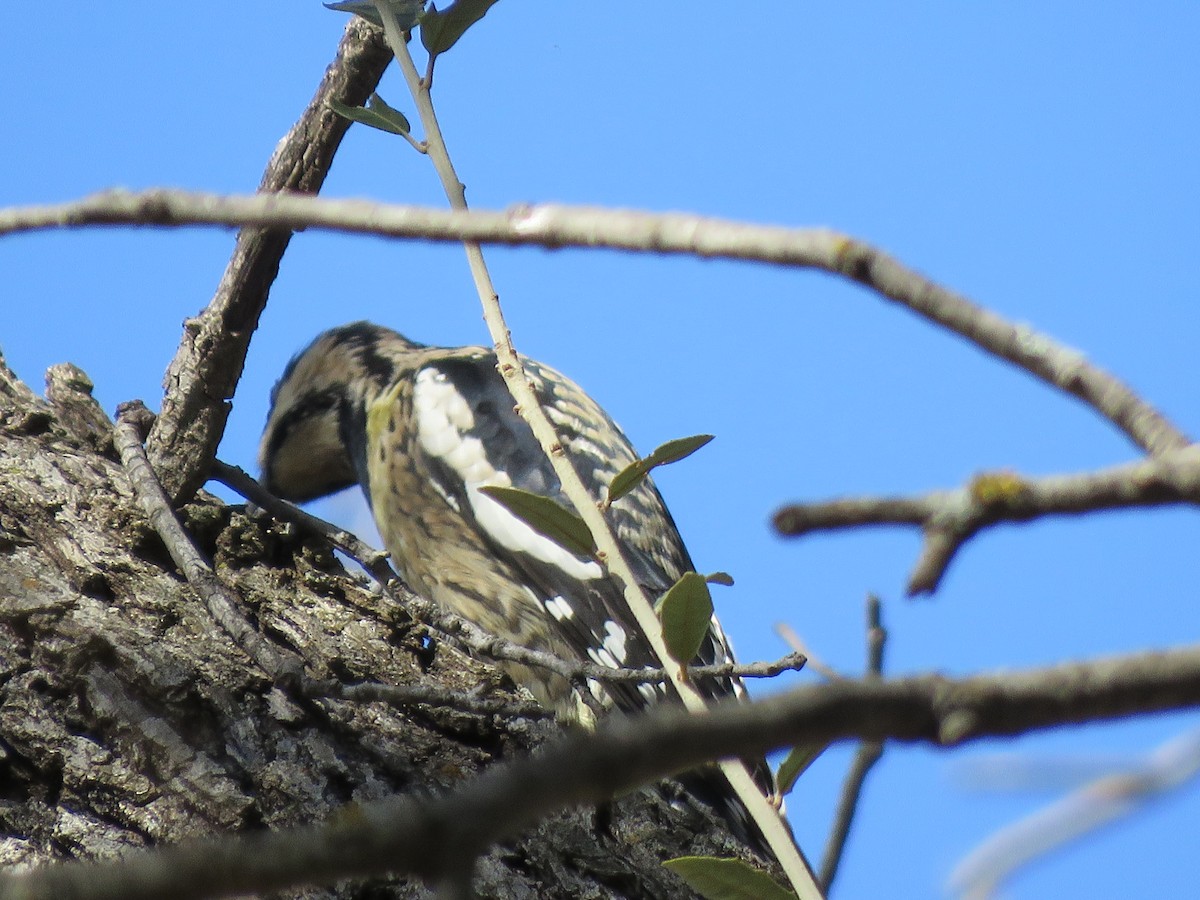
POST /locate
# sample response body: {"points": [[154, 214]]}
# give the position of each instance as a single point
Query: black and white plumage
{"points": [[421, 429]]}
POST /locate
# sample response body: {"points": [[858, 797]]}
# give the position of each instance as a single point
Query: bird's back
{"points": [[422, 429]]}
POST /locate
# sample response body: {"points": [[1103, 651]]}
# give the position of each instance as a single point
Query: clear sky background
{"points": [[1042, 159]]}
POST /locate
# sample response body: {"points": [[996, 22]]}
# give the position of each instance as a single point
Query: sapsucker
{"points": [[421, 429]]}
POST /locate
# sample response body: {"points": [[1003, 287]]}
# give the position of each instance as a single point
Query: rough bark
{"points": [[129, 718]]}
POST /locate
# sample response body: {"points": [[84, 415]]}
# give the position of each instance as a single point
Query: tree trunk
{"points": [[129, 718]]}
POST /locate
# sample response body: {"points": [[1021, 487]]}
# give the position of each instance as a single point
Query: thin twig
{"points": [[132, 422], [373, 561], [949, 519], [792, 638], [1101, 802], [609, 550], [672, 233], [429, 837], [865, 757], [462, 631], [876, 637]]}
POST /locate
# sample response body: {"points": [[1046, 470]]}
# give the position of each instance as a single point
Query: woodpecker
{"points": [[421, 429]]}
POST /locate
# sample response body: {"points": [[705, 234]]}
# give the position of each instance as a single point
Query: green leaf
{"points": [[672, 451], [720, 578], [685, 611], [680, 448], [440, 30], [727, 879], [798, 760], [627, 479], [545, 517], [376, 113]]}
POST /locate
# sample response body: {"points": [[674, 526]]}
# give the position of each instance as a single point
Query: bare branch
{"points": [[132, 420], [876, 636], [1099, 803], [792, 638], [950, 518], [373, 561], [608, 549], [432, 837], [673, 233], [208, 363], [865, 757]]}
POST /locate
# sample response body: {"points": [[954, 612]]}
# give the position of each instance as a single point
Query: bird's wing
{"points": [[472, 436]]}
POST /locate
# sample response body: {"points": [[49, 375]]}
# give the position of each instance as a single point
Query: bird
{"points": [[421, 429]]}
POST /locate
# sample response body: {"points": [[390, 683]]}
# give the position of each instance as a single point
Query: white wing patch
{"points": [[614, 640], [443, 419], [513, 534], [652, 692], [558, 417], [559, 608], [603, 657]]}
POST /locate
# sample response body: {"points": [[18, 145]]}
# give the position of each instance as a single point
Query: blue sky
{"points": [[1041, 160]]}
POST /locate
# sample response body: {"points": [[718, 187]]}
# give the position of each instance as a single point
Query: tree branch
{"points": [[222, 605], [950, 518], [865, 757], [206, 368], [433, 837], [608, 549], [552, 225], [1096, 804]]}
